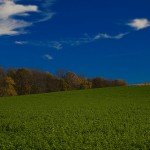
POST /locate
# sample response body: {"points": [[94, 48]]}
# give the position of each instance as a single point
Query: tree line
{"points": [[27, 81]]}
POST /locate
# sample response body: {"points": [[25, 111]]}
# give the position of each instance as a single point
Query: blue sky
{"points": [[108, 38]]}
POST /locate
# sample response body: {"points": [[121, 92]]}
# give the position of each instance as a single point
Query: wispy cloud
{"points": [[89, 39], [139, 24], [107, 36], [56, 45], [21, 42], [9, 10], [72, 42], [48, 57], [46, 12]]}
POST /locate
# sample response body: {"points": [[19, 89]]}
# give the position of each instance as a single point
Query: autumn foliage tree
{"points": [[23, 80], [26, 81], [101, 82], [119, 83], [7, 87]]}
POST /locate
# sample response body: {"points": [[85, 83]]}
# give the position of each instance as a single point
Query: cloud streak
{"points": [[107, 36], [73, 42], [46, 14], [48, 57], [89, 39], [21, 42], [56, 45]]}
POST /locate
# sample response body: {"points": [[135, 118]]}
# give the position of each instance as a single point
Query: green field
{"points": [[108, 118]]}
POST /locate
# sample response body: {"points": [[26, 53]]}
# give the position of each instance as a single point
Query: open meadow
{"points": [[105, 119]]}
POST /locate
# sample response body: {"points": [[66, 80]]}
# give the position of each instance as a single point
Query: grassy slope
{"points": [[109, 118]]}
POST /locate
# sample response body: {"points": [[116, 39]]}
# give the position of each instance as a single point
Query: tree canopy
{"points": [[27, 81]]}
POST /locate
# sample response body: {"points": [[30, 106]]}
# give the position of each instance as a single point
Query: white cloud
{"points": [[9, 9], [48, 57], [139, 24], [12, 26]]}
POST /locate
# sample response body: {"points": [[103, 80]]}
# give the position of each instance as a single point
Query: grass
{"points": [[100, 119]]}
